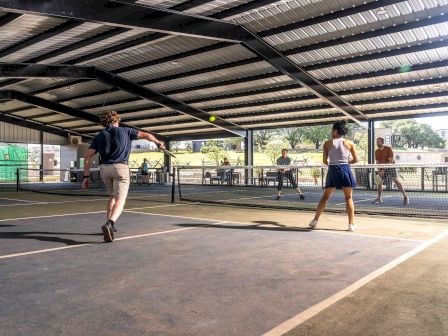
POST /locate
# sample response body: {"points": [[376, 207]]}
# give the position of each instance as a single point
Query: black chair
{"points": [[208, 175]]}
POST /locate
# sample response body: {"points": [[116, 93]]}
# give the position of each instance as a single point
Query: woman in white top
{"points": [[337, 154]]}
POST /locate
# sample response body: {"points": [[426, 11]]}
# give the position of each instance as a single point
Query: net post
{"points": [[17, 179], [423, 178], [173, 184], [178, 183]]}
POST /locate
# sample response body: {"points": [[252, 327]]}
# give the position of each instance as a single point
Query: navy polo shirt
{"points": [[114, 144]]}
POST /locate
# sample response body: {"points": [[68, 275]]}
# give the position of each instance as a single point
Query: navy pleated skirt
{"points": [[340, 176]]}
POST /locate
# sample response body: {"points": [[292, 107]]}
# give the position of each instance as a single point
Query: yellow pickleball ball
{"points": [[212, 118]]}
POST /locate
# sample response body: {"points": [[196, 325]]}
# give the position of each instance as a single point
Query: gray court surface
{"points": [[213, 278], [423, 204], [12, 201]]}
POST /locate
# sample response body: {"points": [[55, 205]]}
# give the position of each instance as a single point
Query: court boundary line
{"points": [[14, 199], [84, 213], [20, 254], [305, 227], [367, 199], [312, 311], [53, 202]]}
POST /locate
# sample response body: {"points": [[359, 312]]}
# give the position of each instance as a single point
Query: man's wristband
{"points": [[84, 177]]}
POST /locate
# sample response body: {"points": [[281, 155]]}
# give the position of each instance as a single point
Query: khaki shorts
{"points": [[116, 177]]}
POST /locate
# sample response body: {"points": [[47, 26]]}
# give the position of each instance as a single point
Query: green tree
{"points": [[360, 139], [174, 145], [387, 124], [233, 143], [262, 137], [317, 134], [414, 135], [273, 149], [293, 136], [215, 151]]}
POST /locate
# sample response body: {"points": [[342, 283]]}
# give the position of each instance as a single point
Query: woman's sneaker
{"points": [[378, 201], [352, 227], [313, 224]]}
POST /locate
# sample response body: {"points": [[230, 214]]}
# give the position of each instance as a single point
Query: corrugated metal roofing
{"points": [[219, 75]]}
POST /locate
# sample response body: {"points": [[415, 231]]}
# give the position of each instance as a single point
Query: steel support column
{"points": [[249, 154], [41, 141], [371, 142], [167, 160]]}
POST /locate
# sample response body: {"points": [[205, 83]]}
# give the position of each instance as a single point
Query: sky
{"points": [[435, 122]]}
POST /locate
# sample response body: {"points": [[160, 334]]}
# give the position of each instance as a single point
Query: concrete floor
{"points": [[208, 270]]}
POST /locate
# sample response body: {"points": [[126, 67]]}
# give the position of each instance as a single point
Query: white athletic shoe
{"points": [[313, 224], [352, 227], [378, 201]]}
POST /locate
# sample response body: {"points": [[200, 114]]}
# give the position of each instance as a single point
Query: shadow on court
{"points": [[247, 227], [48, 236], [174, 274]]}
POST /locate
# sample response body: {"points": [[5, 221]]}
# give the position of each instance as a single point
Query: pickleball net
{"points": [[426, 187], [68, 182]]}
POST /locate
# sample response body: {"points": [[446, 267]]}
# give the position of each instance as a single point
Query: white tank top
{"points": [[338, 153]]}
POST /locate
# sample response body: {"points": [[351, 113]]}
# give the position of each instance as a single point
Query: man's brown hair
{"points": [[108, 118]]}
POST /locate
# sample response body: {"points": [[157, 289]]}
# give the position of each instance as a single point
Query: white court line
{"points": [[14, 199], [215, 221], [255, 224], [55, 202], [157, 206], [51, 216], [157, 233], [316, 309], [62, 202], [365, 199], [79, 213], [369, 236], [90, 244], [43, 251]]}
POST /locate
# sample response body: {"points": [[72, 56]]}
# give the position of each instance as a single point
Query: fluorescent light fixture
{"points": [[382, 12]]}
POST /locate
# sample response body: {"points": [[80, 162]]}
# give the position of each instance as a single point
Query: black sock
{"points": [[111, 222]]}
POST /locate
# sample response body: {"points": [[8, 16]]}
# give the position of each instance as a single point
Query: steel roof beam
{"points": [[442, 94], [433, 44], [368, 75], [27, 70], [166, 101], [395, 86], [49, 105], [8, 17], [15, 120], [122, 14], [80, 44], [59, 29], [125, 15], [330, 16], [122, 83], [370, 34], [188, 5], [245, 7], [383, 73]]}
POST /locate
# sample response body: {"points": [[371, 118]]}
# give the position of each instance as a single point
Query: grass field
{"points": [[196, 159]]}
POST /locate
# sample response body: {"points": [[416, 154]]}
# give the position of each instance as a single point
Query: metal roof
{"points": [[388, 58]]}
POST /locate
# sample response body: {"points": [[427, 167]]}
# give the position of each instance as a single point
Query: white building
{"points": [[443, 133]]}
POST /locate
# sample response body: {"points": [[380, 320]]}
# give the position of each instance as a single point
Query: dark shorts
{"points": [[145, 173], [340, 176], [390, 173]]}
